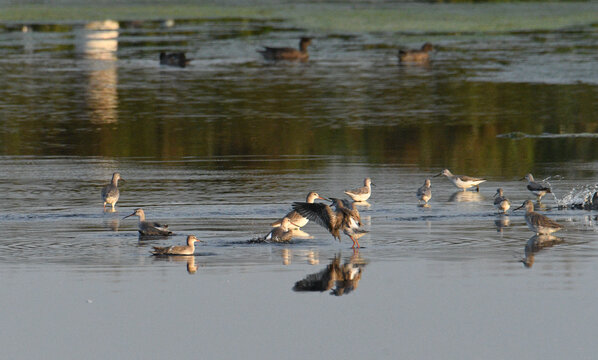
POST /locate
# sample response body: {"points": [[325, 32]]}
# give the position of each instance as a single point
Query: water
{"points": [[223, 147]]}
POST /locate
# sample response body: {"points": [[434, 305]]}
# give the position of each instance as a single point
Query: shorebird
{"points": [[416, 56], [147, 227], [536, 188], [462, 181], [174, 59], [362, 193], [188, 249], [110, 193], [275, 53], [281, 233], [296, 218], [500, 202], [342, 218], [539, 223], [424, 193]]}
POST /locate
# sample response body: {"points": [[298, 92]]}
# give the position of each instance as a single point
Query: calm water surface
{"points": [[223, 147]]}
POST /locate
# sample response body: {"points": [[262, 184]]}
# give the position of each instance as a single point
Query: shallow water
{"points": [[222, 147]]}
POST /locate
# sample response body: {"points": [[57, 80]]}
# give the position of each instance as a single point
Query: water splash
{"points": [[580, 197]]}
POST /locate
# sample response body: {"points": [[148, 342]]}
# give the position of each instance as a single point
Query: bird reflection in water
{"points": [[112, 223], [537, 243], [339, 278], [502, 222], [310, 256], [466, 196], [189, 261]]}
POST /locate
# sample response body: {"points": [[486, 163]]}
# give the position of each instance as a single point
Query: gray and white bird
{"points": [[363, 193], [297, 219], [462, 182], [424, 193], [500, 202], [536, 188], [538, 223], [110, 193], [282, 233], [188, 249]]}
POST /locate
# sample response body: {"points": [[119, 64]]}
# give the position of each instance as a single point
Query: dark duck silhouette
{"points": [[276, 53]]}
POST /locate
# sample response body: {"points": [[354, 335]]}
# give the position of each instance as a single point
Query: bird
{"points": [[110, 193], [148, 227], [362, 193], [538, 223], [276, 53], [462, 181], [424, 193], [342, 218], [536, 188], [174, 59], [297, 218], [188, 249], [416, 56], [500, 202], [281, 233]]}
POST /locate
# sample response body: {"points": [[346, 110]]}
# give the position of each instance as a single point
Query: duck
{"points": [[416, 56], [147, 227], [297, 218], [276, 53], [110, 193], [174, 59], [281, 233], [188, 249], [363, 193]]}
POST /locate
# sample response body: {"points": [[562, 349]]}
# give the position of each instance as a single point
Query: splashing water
{"points": [[580, 197]]}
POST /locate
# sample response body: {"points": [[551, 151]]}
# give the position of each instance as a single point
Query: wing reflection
{"points": [[340, 279], [537, 243]]}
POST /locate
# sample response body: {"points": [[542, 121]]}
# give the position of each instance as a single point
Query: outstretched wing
{"points": [[318, 212]]}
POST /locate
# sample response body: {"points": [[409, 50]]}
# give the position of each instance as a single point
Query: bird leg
{"points": [[354, 242]]}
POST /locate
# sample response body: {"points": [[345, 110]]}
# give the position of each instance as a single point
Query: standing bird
{"points": [[297, 218], [148, 227], [539, 223], [282, 233], [110, 193], [462, 181], [188, 249], [174, 59], [536, 188], [416, 56], [341, 218], [500, 202], [362, 193], [424, 193], [275, 53]]}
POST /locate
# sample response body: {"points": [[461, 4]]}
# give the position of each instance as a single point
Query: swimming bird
{"points": [[148, 227], [342, 218], [362, 193], [424, 193], [282, 233], [500, 202], [462, 181], [297, 218], [538, 223], [110, 193], [536, 188], [174, 59], [415, 56], [188, 249], [275, 53]]}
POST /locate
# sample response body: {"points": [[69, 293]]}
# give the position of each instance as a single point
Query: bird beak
{"points": [[128, 216], [292, 223], [523, 178], [372, 184], [519, 208], [495, 195], [323, 198], [437, 175]]}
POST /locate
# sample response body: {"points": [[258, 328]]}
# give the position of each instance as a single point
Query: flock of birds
{"points": [[341, 214], [418, 56]]}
